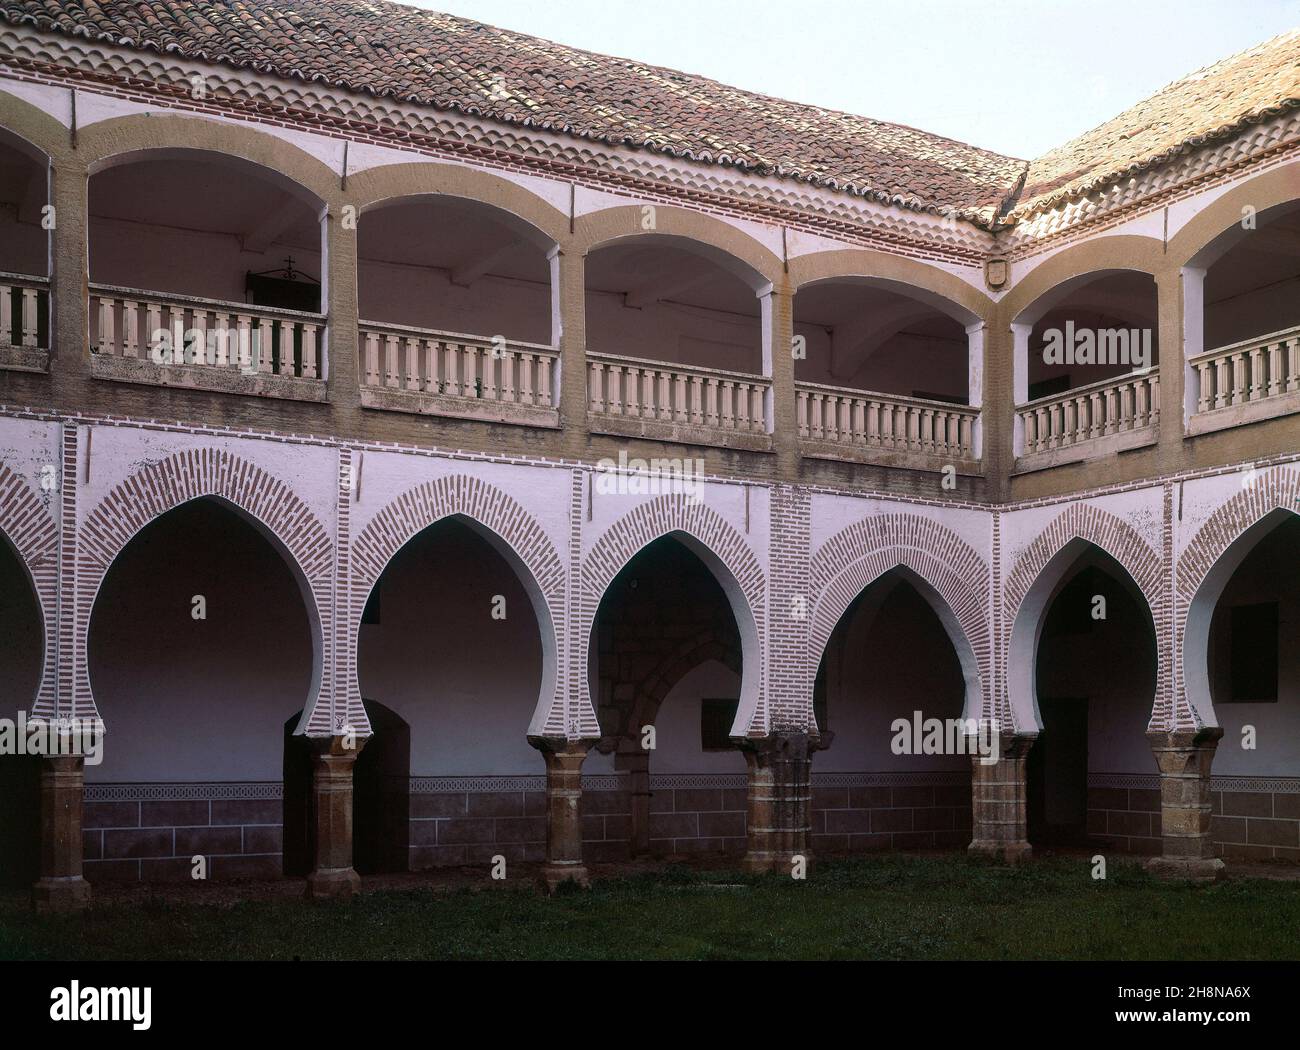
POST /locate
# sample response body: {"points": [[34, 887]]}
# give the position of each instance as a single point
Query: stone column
{"points": [[332, 764], [564, 760], [1184, 758], [998, 800], [779, 801], [61, 886]]}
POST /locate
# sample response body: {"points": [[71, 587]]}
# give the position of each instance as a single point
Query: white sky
{"points": [[1015, 76]]}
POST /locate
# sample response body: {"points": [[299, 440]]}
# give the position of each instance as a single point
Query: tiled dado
{"points": [[151, 832], [1252, 818], [852, 812]]}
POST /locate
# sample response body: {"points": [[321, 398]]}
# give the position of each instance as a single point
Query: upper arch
{"points": [[727, 556], [709, 236], [1081, 263], [511, 530], [29, 528], [110, 142], [1032, 582], [953, 578], [269, 503], [390, 184], [929, 284]]}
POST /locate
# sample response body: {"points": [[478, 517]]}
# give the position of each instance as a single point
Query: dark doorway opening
{"points": [[381, 798], [1057, 774], [381, 801]]}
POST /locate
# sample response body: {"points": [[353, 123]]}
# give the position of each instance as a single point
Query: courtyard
{"points": [[934, 906]]}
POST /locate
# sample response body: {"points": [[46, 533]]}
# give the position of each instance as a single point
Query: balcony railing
{"points": [[24, 302], [449, 373], [1247, 381], [868, 420], [628, 395], [1110, 408], [206, 344]]}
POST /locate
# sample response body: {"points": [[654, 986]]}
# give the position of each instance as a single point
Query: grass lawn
{"points": [[887, 907]]}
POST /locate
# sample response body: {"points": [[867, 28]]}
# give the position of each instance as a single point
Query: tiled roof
{"points": [[1212, 103], [454, 64]]}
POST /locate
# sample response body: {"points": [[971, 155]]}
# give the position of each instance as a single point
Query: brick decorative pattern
{"points": [[848, 562], [507, 523], [143, 832], [157, 488], [1270, 490], [1121, 541], [663, 516], [31, 530], [793, 660]]}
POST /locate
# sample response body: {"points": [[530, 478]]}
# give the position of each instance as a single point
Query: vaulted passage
{"points": [[20, 676], [24, 244], [890, 667], [200, 648], [450, 654], [1095, 676], [1254, 678], [665, 668]]}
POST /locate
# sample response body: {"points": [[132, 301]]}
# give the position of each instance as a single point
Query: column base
{"points": [[329, 883], [1001, 852], [1189, 869], [553, 876], [61, 894]]}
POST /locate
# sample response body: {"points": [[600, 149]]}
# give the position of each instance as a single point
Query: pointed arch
{"points": [[726, 554], [948, 573], [1204, 568], [511, 530], [1033, 581], [29, 528], [267, 502]]}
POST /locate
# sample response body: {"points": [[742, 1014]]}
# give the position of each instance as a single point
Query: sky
{"points": [[1014, 76]]}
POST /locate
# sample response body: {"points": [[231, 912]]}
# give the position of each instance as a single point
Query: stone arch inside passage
{"points": [[666, 667]]}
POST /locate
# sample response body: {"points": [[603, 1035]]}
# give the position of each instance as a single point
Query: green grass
{"points": [[891, 907]]}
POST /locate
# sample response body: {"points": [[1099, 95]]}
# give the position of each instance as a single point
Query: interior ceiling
{"points": [[450, 233], [1267, 255], [198, 194], [19, 174], [645, 272], [834, 303]]}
